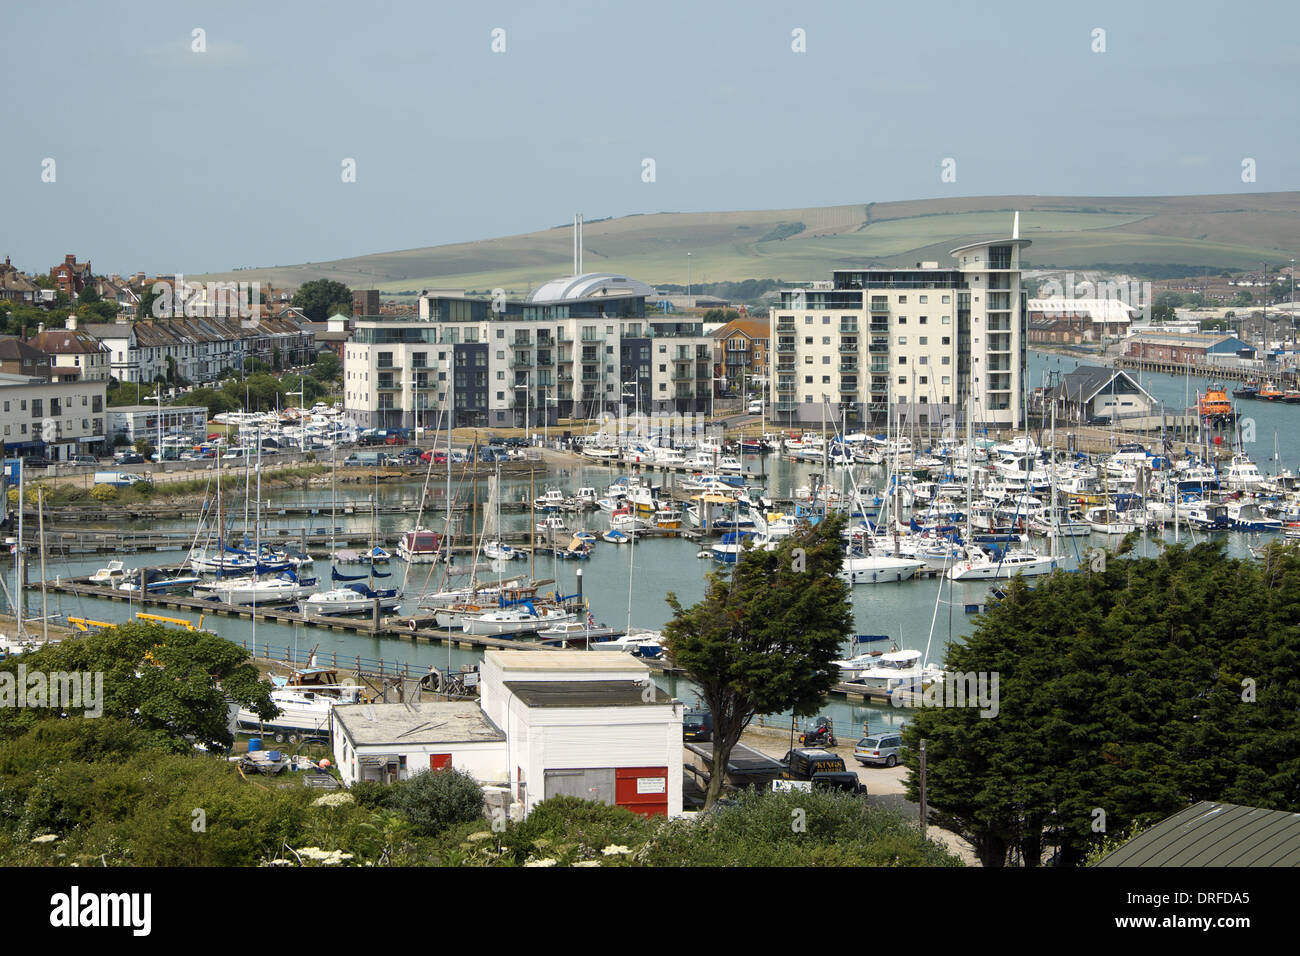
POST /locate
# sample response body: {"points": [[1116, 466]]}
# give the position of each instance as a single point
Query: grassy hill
{"points": [[1238, 231]]}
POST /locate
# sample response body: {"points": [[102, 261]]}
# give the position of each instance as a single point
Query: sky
{"points": [[195, 137]]}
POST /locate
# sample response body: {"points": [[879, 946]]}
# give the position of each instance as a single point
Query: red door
{"points": [[439, 761], [642, 790]]}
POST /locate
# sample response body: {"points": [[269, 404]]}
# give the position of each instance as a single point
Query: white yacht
{"points": [[983, 566], [878, 569], [892, 670]]}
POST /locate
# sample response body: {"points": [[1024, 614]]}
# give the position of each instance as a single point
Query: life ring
{"points": [[412, 625]]}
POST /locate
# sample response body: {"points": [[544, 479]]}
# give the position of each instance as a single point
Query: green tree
{"points": [[144, 310], [1125, 694], [1242, 298], [145, 447], [328, 368], [170, 683], [321, 298], [763, 639], [89, 294]]}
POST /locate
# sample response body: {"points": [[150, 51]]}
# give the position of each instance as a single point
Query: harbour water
{"points": [[625, 585]]}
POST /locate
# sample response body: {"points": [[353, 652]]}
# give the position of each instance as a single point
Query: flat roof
{"points": [[435, 722], [567, 661], [585, 693]]}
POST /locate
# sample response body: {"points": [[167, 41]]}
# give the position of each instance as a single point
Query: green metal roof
{"points": [[1215, 834]]}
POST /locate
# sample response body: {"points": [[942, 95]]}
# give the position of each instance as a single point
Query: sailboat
{"points": [[493, 547], [353, 597]]}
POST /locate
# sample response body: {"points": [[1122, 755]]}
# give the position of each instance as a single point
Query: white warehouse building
{"points": [[575, 723]]}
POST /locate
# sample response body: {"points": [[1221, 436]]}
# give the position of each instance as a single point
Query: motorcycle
{"points": [[821, 736]]}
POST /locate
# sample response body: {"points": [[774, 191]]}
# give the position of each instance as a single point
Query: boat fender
{"points": [[279, 738], [411, 624]]}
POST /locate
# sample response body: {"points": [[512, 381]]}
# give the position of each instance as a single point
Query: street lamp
{"points": [[688, 280], [150, 398], [302, 432], [526, 394]]}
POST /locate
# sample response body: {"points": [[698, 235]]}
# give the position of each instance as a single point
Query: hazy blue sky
{"points": [[172, 160]]}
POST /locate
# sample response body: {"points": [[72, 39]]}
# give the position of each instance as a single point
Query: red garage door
{"points": [[439, 761], [642, 790]]}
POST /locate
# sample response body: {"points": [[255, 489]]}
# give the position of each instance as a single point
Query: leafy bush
{"points": [[816, 828], [437, 799], [104, 493]]}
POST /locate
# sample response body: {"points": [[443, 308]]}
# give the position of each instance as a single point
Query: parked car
{"points": [[697, 725], [879, 750], [36, 461], [85, 460], [129, 458]]}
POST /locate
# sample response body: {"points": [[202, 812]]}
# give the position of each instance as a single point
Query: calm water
{"points": [[625, 585]]}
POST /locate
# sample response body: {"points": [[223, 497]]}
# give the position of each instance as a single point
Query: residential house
{"points": [[75, 354], [71, 276]]}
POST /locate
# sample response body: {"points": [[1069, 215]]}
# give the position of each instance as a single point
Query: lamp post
{"points": [[148, 398], [302, 433], [688, 280], [526, 425]]}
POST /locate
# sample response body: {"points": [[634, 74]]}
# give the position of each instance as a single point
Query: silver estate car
{"points": [[879, 749]]}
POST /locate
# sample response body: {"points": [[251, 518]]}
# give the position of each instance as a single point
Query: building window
{"points": [[925, 340], [945, 380], [902, 360], [946, 341], [902, 320], [826, 340], [902, 380], [947, 320], [946, 300], [923, 300], [807, 379], [826, 360], [902, 340], [826, 379], [946, 360], [902, 300]]}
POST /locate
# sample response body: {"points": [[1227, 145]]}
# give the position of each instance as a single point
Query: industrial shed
{"points": [[576, 723], [1215, 834]]}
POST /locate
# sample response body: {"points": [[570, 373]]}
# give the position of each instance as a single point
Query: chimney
{"points": [[70, 259], [71, 324], [40, 328]]}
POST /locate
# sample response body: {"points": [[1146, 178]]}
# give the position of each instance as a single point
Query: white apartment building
{"points": [[917, 345], [57, 420], [574, 348]]}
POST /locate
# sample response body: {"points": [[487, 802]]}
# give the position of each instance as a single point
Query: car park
{"points": [[880, 750]]}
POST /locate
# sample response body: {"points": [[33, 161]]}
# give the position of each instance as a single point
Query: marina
{"points": [[621, 588]]}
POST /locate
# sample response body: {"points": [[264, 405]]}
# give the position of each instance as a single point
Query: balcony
{"points": [[880, 304], [849, 347], [785, 346], [785, 323], [785, 386], [786, 406], [521, 361], [848, 368], [878, 349], [564, 377], [850, 327]]}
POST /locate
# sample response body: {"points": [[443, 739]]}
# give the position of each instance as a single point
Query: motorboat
{"points": [[614, 536], [983, 565], [110, 575], [419, 546], [1106, 520], [878, 569], [893, 670]]}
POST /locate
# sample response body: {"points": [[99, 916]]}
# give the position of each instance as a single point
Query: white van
{"points": [[756, 407]]}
